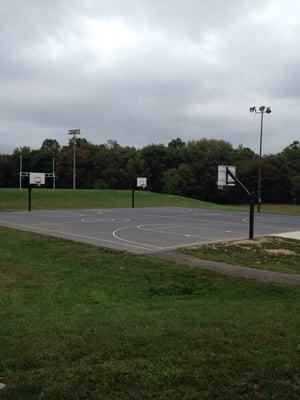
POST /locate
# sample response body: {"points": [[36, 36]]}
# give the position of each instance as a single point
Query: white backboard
{"points": [[224, 180], [141, 182], [36, 178]]}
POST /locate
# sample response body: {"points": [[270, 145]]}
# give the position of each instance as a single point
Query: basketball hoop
{"points": [[37, 180], [141, 182], [224, 179]]}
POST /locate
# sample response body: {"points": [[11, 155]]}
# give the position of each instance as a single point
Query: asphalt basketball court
{"points": [[148, 230]]}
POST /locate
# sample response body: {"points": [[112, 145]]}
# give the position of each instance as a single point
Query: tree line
{"points": [[183, 168]]}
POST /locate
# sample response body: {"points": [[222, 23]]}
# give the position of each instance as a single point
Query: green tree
{"points": [[51, 146], [179, 180], [155, 164], [291, 157]]}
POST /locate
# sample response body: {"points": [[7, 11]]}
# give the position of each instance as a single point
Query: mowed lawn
{"points": [[292, 209], [81, 322], [60, 199]]}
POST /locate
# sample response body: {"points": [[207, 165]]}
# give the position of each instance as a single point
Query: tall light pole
{"points": [[74, 132], [21, 170], [262, 111]]}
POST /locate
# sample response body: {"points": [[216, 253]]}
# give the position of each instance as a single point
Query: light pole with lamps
{"points": [[262, 111], [74, 132]]}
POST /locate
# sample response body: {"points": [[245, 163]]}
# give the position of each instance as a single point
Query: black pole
{"points": [[251, 217], [251, 201], [29, 197], [260, 162], [132, 197], [133, 183]]}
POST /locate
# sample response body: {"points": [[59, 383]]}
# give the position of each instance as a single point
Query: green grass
{"points": [[274, 254], [293, 209], [81, 322], [288, 209], [59, 199], [48, 199]]}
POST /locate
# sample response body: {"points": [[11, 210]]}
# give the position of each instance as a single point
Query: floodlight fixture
{"points": [[74, 131], [262, 109]]}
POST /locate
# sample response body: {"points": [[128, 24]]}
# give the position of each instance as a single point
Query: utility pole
{"points": [[53, 172], [74, 132], [20, 179], [262, 110]]}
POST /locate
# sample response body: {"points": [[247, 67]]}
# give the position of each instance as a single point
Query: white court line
{"points": [[104, 220], [152, 215], [131, 241], [202, 220], [203, 243], [80, 221], [77, 236], [171, 233], [258, 220], [159, 231], [155, 230], [176, 217], [215, 230], [212, 214], [53, 214], [34, 214], [196, 226], [221, 222]]}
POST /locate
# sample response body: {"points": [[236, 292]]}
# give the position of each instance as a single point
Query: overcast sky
{"points": [[147, 71]]}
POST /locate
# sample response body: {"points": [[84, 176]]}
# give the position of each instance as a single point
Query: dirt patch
{"points": [[251, 242], [282, 251], [256, 244]]}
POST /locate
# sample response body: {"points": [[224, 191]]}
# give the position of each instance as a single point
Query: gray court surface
{"points": [[147, 230]]}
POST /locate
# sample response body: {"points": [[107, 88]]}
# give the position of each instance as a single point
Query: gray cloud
{"points": [[142, 71]]}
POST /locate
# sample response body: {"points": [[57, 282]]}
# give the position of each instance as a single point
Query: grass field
{"points": [[274, 254], [81, 322], [48, 199], [292, 209], [15, 199]]}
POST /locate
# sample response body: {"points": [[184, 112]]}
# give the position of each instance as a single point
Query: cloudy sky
{"points": [[147, 71]]}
